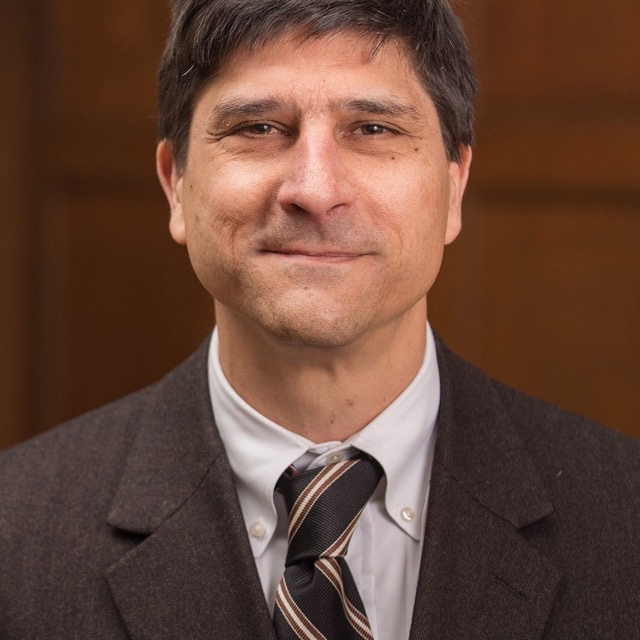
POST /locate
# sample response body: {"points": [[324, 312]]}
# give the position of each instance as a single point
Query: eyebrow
{"points": [[379, 107], [239, 107], [242, 108]]}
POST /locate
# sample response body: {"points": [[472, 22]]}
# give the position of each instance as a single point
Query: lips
{"points": [[315, 254]]}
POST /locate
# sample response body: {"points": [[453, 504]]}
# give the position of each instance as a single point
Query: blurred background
{"points": [[542, 289]]}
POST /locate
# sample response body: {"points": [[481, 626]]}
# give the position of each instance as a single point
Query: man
{"points": [[314, 156]]}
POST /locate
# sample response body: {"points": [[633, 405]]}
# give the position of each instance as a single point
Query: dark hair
{"points": [[204, 33]]}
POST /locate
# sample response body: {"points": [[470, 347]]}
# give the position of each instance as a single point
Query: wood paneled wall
{"points": [[18, 60], [109, 301], [542, 289]]}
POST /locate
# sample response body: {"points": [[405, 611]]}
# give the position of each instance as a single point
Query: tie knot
{"points": [[324, 506]]}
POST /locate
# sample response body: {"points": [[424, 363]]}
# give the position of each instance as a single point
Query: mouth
{"points": [[331, 256]]}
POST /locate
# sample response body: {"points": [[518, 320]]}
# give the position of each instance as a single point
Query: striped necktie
{"points": [[317, 597]]}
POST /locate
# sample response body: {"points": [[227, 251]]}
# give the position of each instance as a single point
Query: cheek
{"points": [[223, 209], [418, 217], [217, 205], [416, 220], [211, 228]]}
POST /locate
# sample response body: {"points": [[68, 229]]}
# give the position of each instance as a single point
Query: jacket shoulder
{"points": [[88, 452], [545, 428], [499, 441]]}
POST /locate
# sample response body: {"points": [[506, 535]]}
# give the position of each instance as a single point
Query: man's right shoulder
{"points": [[90, 446], [94, 446]]}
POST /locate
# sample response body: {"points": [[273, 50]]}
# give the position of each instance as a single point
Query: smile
{"points": [[329, 256]]}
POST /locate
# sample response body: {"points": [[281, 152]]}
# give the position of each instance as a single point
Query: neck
{"points": [[321, 394]]}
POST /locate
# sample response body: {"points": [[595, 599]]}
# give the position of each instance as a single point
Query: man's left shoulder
{"points": [[553, 434], [546, 429], [557, 487]]}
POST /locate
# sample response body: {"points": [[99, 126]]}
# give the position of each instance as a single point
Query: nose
{"points": [[315, 179]]}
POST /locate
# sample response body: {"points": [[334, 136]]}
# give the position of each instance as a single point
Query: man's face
{"points": [[316, 198]]}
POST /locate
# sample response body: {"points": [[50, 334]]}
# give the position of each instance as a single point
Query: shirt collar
{"points": [[401, 439]]}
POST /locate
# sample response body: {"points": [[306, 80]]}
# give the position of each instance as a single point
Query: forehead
{"points": [[367, 46], [311, 71]]}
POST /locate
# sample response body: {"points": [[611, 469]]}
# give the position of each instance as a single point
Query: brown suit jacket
{"points": [[125, 523]]}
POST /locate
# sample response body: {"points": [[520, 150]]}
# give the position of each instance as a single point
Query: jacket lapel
{"points": [[480, 577], [192, 575]]}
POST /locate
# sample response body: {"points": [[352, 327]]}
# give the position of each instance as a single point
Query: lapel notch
{"points": [[193, 574], [480, 577]]}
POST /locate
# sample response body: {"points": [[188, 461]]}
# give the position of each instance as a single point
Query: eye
{"points": [[259, 129], [373, 129]]}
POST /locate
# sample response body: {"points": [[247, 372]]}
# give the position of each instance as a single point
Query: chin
{"points": [[314, 331]]}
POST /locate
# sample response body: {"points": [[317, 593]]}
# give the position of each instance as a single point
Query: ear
{"points": [[171, 181], [458, 177]]}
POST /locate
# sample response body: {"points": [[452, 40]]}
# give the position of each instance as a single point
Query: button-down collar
{"points": [[401, 438]]}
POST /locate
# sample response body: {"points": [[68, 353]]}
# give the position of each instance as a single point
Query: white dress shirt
{"points": [[384, 553]]}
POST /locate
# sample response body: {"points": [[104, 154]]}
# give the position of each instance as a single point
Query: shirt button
{"points": [[258, 530], [338, 456], [408, 514]]}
